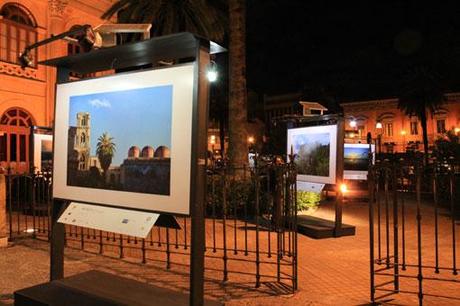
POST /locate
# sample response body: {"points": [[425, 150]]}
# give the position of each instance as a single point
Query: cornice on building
{"points": [[390, 103], [92, 7]]}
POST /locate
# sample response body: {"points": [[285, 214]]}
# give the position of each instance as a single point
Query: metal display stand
{"points": [[316, 227], [177, 47]]}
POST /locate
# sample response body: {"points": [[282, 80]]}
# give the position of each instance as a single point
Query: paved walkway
{"points": [[331, 271]]}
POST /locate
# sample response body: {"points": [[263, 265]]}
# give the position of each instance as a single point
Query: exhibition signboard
{"points": [[126, 140], [356, 160], [315, 149]]}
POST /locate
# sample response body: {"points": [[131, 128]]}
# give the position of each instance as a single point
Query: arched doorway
{"points": [[15, 127]]}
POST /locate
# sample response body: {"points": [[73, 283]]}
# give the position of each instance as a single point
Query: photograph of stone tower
{"points": [[79, 140], [105, 129]]}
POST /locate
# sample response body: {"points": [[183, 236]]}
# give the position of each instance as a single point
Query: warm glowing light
{"points": [[343, 188], [353, 123], [457, 130], [379, 125], [212, 139], [251, 139], [403, 132], [29, 230]]}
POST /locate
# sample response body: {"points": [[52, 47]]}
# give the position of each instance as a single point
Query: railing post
{"points": [[3, 231], [370, 179], [395, 229]]}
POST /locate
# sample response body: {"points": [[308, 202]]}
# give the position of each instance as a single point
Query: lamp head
{"points": [[25, 59], [211, 72], [89, 39]]}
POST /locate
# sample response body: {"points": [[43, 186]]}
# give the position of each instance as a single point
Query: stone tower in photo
{"points": [[82, 140]]}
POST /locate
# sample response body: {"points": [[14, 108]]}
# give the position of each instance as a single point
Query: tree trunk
{"points": [[238, 147], [425, 133], [222, 134]]}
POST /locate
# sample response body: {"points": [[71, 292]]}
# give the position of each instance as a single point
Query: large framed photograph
{"points": [[316, 153], [126, 140], [356, 160]]}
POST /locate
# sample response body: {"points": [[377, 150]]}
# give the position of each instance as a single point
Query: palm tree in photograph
{"points": [[210, 19], [422, 91], [105, 151]]}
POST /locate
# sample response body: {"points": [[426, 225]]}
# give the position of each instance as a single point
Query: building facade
{"points": [[397, 131], [27, 95]]}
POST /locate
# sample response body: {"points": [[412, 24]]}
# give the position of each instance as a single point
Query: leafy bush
{"points": [[308, 201]]}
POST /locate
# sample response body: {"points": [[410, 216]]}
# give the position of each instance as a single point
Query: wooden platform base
{"points": [[320, 228], [95, 288]]}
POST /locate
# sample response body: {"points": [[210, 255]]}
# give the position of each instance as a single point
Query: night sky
{"points": [[351, 50]]}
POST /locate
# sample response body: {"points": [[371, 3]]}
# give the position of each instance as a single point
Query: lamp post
{"points": [[379, 132], [403, 134], [251, 141], [212, 141]]}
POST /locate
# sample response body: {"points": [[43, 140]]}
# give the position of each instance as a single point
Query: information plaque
{"points": [[313, 187], [121, 221]]}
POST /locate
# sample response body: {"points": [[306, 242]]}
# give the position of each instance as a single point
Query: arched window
{"points": [[17, 30], [14, 139], [440, 117], [387, 121], [83, 138], [82, 162], [74, 48], [16, 117]]}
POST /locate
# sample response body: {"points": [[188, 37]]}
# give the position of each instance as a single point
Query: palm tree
{"points": [[209, 19], [105, 151], [203, 17], [422, 91], [237, 108]]}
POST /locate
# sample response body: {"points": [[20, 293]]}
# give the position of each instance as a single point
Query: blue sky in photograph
{"points": [[309, 139], [137, 117]]}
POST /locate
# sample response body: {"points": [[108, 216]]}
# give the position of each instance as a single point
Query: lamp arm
{"points": [[81, 29], [27, 49]]}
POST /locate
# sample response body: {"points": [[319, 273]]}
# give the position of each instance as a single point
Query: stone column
{"points": [[3, 225]]}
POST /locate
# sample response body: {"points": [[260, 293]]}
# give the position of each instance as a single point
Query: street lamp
{"points": [[251, 141], [379, 131], [403, 134], [212, 72]]}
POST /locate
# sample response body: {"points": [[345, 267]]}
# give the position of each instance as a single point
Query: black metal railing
{"points": [[412, 225], [251, 224]]}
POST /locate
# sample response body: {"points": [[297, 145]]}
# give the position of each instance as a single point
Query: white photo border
{"points": [[332, 131], [357, 174], [182, 79]]}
